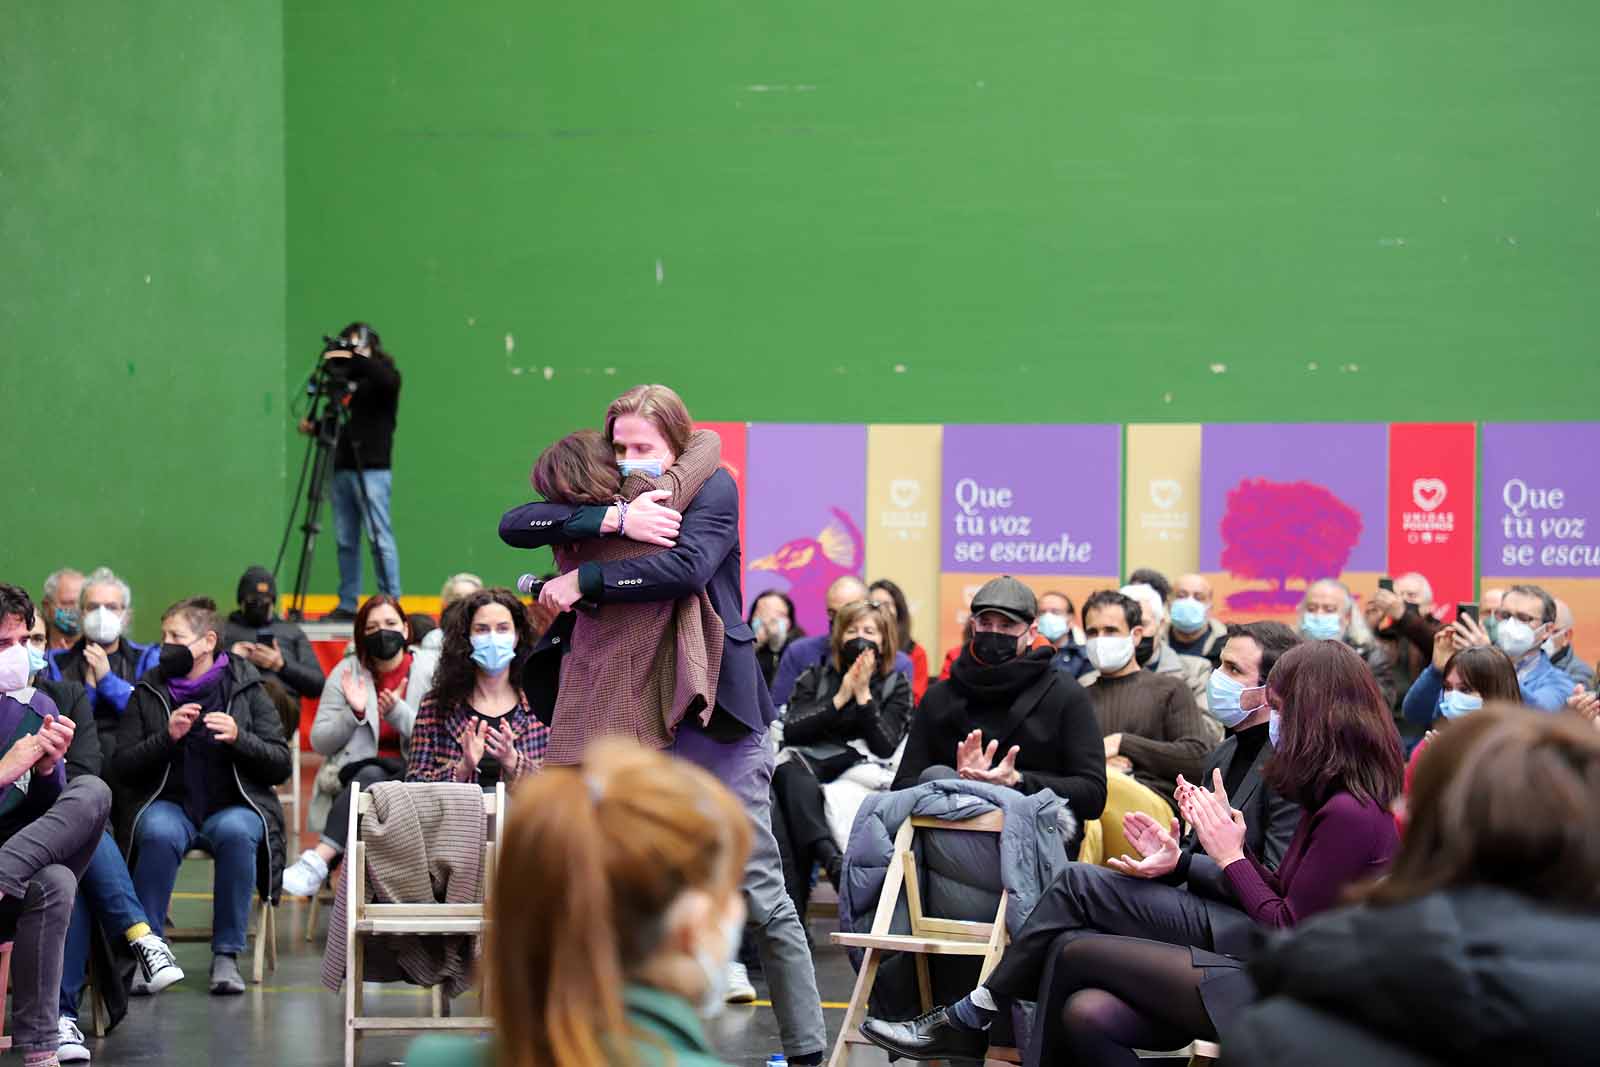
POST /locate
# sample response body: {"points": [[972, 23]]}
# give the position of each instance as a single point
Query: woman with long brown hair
{"points": [[1120, 961], [1480, 946], [617, 909]]}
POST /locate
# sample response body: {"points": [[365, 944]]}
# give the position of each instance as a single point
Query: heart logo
{"points": [[903, 492], [1429, 493], [1165, 493]]}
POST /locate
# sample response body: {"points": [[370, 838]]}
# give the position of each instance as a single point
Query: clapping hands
{"points": [[975, 762], [1217, 824]]}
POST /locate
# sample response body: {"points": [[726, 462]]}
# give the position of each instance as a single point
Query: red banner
{"points": [[735, 452], [1433, 481]]}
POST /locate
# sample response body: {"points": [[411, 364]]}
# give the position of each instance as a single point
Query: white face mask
{"points": [[715, 999], [776, 631], [14, 668], [1515, 638], [1109, 654], [102, 626]]}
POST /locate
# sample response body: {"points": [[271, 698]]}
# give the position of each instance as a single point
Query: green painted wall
{"points": [[1041, 211], [142, 292], [887, 212]]}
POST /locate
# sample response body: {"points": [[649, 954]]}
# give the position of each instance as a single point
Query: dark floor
{"points": [[292, 1019]]}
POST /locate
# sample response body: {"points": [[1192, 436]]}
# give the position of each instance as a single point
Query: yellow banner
{"points": [[1162, 498], [903, 494]]}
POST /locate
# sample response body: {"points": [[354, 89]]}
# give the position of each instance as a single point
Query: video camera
{"points": [[331, 377]]}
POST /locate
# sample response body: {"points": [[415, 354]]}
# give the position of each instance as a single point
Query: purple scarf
{"points": [[185, 690]]}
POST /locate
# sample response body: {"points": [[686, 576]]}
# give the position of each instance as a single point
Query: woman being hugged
{"points": [[475, 724], [620, 881]]}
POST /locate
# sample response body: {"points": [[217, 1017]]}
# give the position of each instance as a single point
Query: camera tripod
{"points": [[330, 422]]}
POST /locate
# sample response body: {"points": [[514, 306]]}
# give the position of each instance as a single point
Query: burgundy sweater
{"points": [[1343, 842]]}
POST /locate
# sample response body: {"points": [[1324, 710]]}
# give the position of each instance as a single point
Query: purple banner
{"points": [[1286, 502], [1541, 499], [1032, 499], [805, 497]]}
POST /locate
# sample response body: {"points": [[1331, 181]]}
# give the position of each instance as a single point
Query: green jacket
{"points": [[669, 1034]]}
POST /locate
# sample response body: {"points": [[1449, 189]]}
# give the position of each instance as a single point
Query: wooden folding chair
{"points": [[363, 920], [264, 929], [930, 935]]}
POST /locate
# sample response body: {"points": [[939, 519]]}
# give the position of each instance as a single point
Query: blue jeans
{"points": [[349, 518], [105, 892], [232, 836]]}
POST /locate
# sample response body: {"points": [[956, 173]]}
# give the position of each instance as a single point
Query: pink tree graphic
{"points": [[1283, 530]]}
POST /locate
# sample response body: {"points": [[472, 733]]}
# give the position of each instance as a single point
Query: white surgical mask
{"points": [[776, 631], [1322, 625], [715, 998], [1052, 626], [1223, 696], [102, 626], [1515, 638], [1550, 648], [1109, 654], [14, 668]]}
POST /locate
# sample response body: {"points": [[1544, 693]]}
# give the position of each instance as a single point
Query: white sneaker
{"points": [[306, 876], [72, 1049], [158, 967], [740, 991]]}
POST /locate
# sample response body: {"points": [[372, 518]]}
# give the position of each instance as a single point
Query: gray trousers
{"points": [[745, 767], [39, 870]]}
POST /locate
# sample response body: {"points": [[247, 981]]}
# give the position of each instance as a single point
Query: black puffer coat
{"points": [[1458, 978]]}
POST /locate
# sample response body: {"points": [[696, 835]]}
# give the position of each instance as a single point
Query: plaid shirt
{"points": [[436, 741]]}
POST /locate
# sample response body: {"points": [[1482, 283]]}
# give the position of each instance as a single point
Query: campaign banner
{"points": [[1284, 504], [1540, 510], [903, 519], [1162, 516], [808, 492], [1432, 505], [735, 443], [1041, 503]]}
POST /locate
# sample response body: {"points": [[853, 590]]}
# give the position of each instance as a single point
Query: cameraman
{"points": [[361, 462]]}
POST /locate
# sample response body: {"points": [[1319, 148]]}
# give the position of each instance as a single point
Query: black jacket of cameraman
{"points": [[369, 435]]}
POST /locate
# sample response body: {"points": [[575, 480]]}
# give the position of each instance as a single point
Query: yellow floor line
{"points": [[191, 896]]}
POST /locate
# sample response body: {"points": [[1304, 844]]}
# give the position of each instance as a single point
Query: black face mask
{"points": [[176, 661], [994, 649], [384, 644], [257, 611], [1145, 651], [853, 650]]}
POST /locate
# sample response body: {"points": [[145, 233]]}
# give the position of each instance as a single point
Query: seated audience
{"points": [[199, 753], [362, 729], [1488, 606], [1403, 625], [1151, 725], [889, 596], [70, 699], [1525, 618], [1058, 624], [1467, 679], [1563, 653], [278, 648], [1328, 614], [59, 606], [810, 651], [456, 588], [103, 661], [1193, 631], [1004, 698], [772, 619], [954, 654], [49, 829], [617, 904], [1153, 654], [841, 735], [475, 724], [1135, 963], [1479, 946]]}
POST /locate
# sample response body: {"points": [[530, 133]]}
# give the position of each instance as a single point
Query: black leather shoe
{"points": [[934, 1036]]}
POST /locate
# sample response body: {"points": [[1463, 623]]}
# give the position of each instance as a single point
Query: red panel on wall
{"points": [[1433, 479], [735, 450]]}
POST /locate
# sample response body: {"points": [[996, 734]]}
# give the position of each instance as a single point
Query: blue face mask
{"points": [[650, 468], [1454, 704], [493, 652], [1223, 695], [1322, 625], [1274, 724], [36, 661], [68, 621], [1188, 614], [1052, 627]]}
